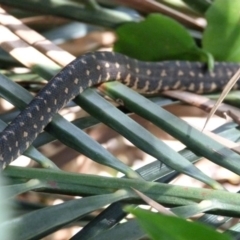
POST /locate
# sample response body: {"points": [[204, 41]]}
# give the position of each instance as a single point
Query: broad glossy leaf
{"points": [[157, 38], [222, 35], [172, 228]]}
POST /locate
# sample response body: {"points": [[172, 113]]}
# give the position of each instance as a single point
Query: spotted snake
{"points": [[95, 68]]}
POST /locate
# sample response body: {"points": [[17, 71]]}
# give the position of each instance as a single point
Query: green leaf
{"points": [[16, 189], [176, 127], [171, 228], [40, 223], [6, 212], [203, 206], [135, 133], [63, 130], [128, 230], [198, 5], [157, 38], [222, 35], [85, 184]]}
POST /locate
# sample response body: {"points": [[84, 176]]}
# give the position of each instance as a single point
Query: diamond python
{"points": [[94, 68]]}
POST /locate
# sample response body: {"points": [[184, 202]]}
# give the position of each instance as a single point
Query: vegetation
{"points": [[37, 203]]}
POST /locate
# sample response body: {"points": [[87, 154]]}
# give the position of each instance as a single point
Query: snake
{"points": [[95, 68]]}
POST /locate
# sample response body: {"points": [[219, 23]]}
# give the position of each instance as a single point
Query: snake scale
{"points": [[94, 68]]}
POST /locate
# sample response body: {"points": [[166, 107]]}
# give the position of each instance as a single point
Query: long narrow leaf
{"points": [[138, 135], [67, 132], [192, 138], [40, 223]]}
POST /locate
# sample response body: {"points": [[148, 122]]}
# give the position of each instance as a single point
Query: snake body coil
{"points": [[95, 68]]}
